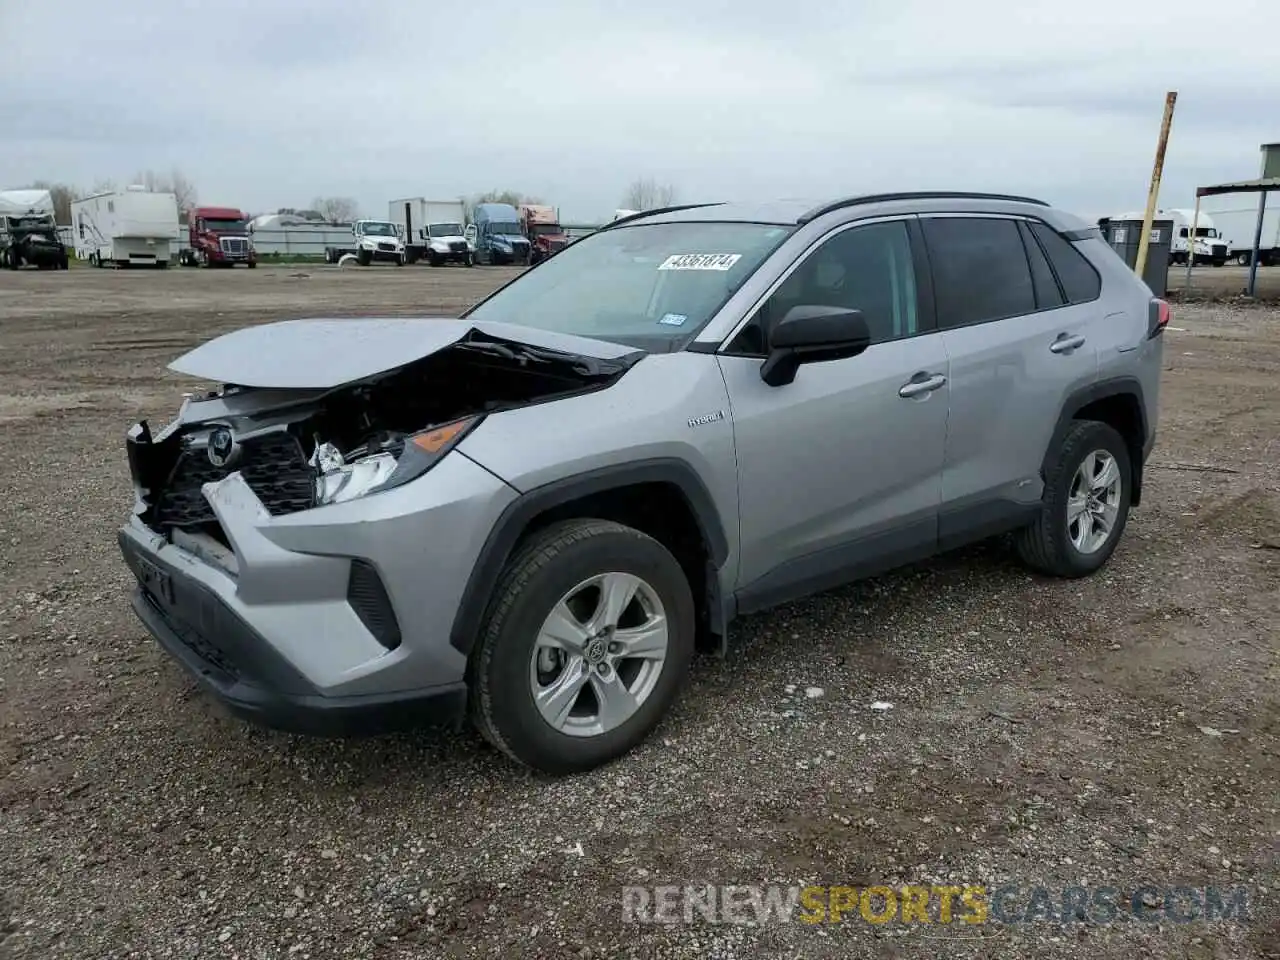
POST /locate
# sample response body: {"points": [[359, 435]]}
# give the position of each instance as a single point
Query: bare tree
{"points": [[336, 209], [62, 195], [102, 185], [183, 190], [645, 193]]}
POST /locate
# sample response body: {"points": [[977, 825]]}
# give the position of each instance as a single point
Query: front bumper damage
{"points": [[284, 627]]}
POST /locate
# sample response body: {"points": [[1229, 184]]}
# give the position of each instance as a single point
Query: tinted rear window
{"points": [[1080, 282], [980, 270]]}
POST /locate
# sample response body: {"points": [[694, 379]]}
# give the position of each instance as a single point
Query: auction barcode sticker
{"points": [[700, 261]]}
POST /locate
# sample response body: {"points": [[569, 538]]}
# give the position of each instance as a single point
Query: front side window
{"points": [[644, 285], [867, 268], [980, 270]]}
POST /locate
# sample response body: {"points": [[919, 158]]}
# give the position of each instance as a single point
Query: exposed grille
{"points": [[1219, 249], [368, 598], [458, 246], [273, 466], [386, 246], [555, 245], [235, 245]]}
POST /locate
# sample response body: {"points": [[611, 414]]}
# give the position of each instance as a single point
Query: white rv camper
{"points": [[125, 227]]}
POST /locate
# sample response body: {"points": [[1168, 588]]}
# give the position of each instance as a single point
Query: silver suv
{"points": [[536, 513]]}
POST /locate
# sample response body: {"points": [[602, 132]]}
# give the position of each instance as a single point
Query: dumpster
{"points": [[1124, 237]]}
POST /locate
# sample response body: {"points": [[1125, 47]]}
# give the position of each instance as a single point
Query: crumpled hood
{"points": [[321, 354]]}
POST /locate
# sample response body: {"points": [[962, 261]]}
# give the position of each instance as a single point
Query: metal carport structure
{"points": [[1268, 181]]}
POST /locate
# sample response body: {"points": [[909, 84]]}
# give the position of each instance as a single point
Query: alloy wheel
{"points": [[599, 654]]}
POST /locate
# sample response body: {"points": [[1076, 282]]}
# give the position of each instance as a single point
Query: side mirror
{"points": [[812, 334]]}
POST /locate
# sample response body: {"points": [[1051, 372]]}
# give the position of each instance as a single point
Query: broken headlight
{"points": [[373, 471]]}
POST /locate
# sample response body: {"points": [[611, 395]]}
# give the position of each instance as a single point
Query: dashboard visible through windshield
{"points": [[639, 285]]}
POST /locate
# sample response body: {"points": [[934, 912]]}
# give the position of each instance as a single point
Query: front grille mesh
{"points": [[273, 466]]}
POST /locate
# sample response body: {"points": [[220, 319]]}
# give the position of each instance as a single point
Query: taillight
{"points": [[1158, 317]]}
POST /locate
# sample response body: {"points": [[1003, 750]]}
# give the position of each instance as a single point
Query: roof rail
{"points": [[655, 212], [917, 195]]}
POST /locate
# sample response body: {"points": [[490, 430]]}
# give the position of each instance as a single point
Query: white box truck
{"points": [[433, 230], [125, 228], [1237, 218]]}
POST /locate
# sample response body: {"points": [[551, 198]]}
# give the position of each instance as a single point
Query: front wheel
{"points": [[586, 645], [1087, 489]]}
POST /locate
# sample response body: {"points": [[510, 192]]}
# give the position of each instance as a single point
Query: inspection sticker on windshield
{"points": [[673, 319], [700, 261]]}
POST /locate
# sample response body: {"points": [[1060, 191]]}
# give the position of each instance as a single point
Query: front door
{"points": [[839, 472]]}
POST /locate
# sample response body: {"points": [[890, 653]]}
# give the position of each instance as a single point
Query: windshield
{"points": [[641, 285], [378, 228], [445, 230], [545, 229], [505, 229], [226, 226], [1207, 232]]}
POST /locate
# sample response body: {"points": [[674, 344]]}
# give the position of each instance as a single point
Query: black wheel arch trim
{"points": [[1102, 390], [517, 516]]}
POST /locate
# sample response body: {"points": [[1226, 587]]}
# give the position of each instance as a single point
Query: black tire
{"points": [[12, 259], [548, 565], [1044, 545], [364, 258], [252, 264]]}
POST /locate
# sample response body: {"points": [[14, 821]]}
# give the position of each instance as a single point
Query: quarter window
{"points": [[1080, 281], [980, 270]]}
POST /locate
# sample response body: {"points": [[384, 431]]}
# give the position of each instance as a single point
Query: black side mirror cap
{"points": [[812, 334]]}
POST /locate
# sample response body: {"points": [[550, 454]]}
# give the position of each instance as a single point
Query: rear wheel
{"points": [[587, 642], [1085, 506]]}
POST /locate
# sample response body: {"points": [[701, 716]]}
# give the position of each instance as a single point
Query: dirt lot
{"points": [[1117, 731]]}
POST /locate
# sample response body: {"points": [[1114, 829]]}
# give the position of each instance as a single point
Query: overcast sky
{"points": [[271, 103]]}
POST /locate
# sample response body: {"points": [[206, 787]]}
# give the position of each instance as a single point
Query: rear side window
{"points": [[1048, 295], [1080, 281], [980, 270]]}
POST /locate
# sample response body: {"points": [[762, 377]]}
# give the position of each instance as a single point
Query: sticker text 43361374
{"points": [[700, 261]]}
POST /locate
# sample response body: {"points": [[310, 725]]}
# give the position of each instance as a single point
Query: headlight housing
{"points": [[373, 472]]}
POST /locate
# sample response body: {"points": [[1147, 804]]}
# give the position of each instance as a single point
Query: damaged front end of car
{"points": [[307, 436]]}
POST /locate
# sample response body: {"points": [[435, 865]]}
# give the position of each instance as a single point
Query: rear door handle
{"points": [[1066, 343], [918, 387]]}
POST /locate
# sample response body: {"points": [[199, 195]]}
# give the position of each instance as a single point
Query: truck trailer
{"points": [[125, 228], [434, 230], [1237, 224], [28, 231], [542, 226], [218, 237]]}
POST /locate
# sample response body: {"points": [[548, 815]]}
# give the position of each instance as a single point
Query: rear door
{"points": [[1017, 346]]}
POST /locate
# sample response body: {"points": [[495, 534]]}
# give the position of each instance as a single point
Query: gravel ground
{"points": [[1041, 732]]}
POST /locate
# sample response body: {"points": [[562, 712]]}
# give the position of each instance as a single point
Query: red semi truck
{"points": [[217, 237], [541, 225]]}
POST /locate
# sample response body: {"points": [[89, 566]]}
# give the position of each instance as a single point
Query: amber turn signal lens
{"points": [[433, 441]]}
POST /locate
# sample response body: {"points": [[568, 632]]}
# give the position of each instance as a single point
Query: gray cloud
{"points": [[267, 105]]}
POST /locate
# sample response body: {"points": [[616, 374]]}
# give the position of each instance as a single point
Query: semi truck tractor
{"points": [[28, 231], [542, 226], [496, 235], [218, 237]]}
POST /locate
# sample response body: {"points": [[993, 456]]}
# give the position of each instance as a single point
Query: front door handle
{"points": [[1066, 343], [918, 387]]}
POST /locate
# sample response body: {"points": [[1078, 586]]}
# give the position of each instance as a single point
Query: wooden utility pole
{"points": [[1157, 172]]}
